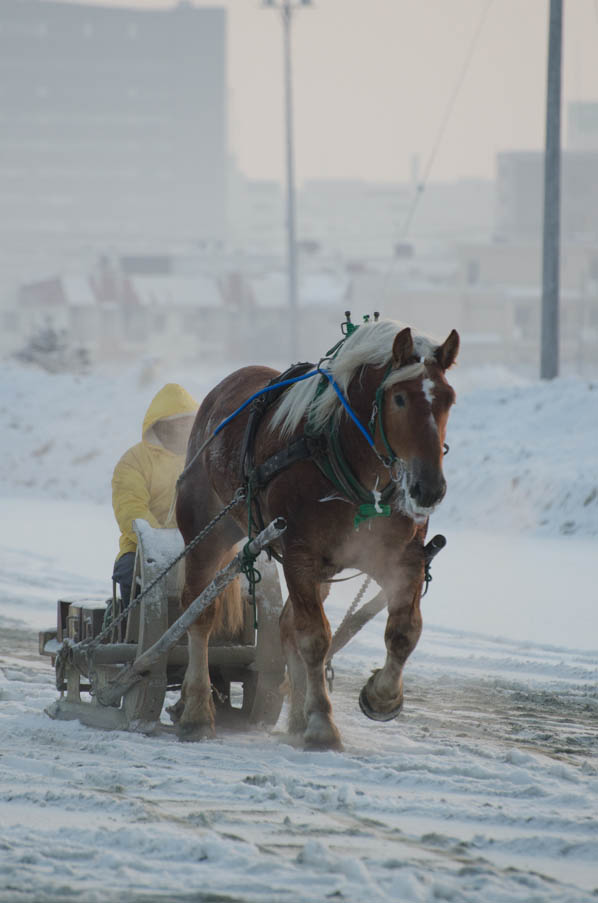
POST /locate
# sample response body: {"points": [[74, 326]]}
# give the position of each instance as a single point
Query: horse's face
{"points": [[417, 401]]}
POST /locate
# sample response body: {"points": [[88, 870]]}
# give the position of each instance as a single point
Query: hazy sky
{"points": [[372, 80]]}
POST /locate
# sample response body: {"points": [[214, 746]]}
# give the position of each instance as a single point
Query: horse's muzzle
{"points": [[427, 488]]}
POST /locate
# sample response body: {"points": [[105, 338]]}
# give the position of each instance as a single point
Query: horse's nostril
{"points": [[415, 491], [427, 495]]}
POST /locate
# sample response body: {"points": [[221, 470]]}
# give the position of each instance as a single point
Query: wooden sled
{"points": [[246, 673]]}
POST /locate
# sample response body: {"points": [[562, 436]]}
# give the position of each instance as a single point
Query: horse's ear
{"points": [[446, 353], [402, 347]]}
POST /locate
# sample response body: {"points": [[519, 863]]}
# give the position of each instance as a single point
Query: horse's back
{"points": [[229, 394]]}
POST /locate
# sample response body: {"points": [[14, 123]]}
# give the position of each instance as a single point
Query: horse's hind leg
{"points": [[312, 638], [194, 713]]}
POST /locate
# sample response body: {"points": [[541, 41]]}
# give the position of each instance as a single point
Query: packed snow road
{"points": [[485, 788]]}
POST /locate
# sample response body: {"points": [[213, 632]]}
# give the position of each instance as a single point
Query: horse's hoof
{"points": [[321, 734], [315, 745], [175, 711], [296, 724], [366, 708], [192, 732]]}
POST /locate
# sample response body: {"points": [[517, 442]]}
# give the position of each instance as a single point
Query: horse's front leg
{"points": [[295, 671], [382, 696], [312, 641]]}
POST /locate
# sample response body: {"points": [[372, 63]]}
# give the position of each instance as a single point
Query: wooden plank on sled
{"points": [[110, 693]]}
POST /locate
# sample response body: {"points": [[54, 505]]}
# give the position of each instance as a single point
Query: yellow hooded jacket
{"points": [[144, 479]]}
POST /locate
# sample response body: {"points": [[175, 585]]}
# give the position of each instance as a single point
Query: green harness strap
{"points": [[335, 466], [377, 413], [337, 470]]}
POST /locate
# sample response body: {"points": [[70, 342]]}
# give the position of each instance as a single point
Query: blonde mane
{"points": [[371, 344]]}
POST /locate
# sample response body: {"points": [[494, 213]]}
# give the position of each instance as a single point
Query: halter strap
{"points": [[334, 464], [378, 412]]}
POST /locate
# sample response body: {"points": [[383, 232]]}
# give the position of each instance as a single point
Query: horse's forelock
{"points": [[371, 345], [402, 374]]}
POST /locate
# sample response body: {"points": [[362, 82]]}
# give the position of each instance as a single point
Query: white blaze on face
{"points": [[428, 389]]}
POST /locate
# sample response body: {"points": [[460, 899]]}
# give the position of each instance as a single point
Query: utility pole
{"points": [[287, 8], [549, 355]]}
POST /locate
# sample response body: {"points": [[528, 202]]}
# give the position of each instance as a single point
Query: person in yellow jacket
{"points": [[144, 479]]}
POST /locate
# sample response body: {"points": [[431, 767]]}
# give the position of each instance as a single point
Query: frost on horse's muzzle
{"points": [[428, 494], [421, 491]]}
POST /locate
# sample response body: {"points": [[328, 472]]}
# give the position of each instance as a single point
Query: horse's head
{"points": [[417, 400]]}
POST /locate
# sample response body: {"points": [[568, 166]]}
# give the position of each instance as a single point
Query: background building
{"points": [[352, 218], [582, 125], [113, 131], [520, 195]]}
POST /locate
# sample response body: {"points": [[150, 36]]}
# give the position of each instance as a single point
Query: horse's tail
{"points": [[231, 617]]}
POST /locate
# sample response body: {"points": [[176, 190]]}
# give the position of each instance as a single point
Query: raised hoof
{"points": [[190, 732], [365, 707], [321, 734]]}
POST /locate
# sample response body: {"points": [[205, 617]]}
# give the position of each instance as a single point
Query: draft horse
{"points": [[347, 504]]}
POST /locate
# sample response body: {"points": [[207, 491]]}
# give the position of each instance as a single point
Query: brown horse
{"points": [[394, 383]]}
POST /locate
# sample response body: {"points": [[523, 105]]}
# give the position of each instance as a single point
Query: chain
{"points": [[353, 606], [427, 577], [329, 671], [89, 645]]}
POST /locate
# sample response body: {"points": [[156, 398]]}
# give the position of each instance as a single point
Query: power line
{"points": [[446, 118]]}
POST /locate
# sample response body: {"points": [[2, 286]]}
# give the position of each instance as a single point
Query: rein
{"points": [[331, 459]]}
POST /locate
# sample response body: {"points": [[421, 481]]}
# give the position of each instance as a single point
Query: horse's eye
{"points": [[400, 400]]}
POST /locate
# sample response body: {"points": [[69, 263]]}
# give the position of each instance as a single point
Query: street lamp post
{"points": [[287, 8], [549, 351]]}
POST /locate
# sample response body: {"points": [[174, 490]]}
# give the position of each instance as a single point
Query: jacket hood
{"points": [[171, 401]]}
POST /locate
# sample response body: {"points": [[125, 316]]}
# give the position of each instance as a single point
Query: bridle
{"points": [[394, 464]]}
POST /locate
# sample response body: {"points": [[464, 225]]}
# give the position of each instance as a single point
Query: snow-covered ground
{"points": [[485, 788]]}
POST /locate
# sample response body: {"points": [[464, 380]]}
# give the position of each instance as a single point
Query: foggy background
{"points": [[142, 168]]}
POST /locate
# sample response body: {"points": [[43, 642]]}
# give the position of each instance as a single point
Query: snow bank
{"points": [[523, 454], [525, 458]]}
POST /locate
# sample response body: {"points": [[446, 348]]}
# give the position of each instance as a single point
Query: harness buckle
{"points": [[394, 467]]}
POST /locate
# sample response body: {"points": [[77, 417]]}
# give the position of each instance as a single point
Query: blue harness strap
{"points": [[368, 437], [280, 385]]}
